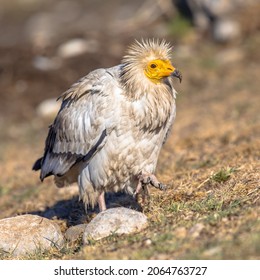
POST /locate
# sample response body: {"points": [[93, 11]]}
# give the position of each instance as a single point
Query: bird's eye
{"points": [[153, 65]]}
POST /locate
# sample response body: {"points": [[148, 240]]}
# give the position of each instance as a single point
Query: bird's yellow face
{"points": [[158, 69]]}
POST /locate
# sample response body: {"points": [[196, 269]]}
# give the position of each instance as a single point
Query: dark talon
{"points": [[162, 187], [159, 186], [146, 179]]}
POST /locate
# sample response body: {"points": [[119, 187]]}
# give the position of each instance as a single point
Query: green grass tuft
{"points": [[223, 175]]}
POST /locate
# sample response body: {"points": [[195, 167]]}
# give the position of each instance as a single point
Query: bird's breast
{"points": [[151, 111], [122, 158], [134, 143]]}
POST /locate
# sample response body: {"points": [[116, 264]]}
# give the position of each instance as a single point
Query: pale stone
{"points": [[77, 47], [73, 233], [28, 234], [225, 30], [44, 63], [196, 230], [115, 221], [214, 251]]}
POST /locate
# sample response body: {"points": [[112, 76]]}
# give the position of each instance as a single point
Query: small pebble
{"points": [[76, 47], [46, 64], [196, 230], [74, 232]]}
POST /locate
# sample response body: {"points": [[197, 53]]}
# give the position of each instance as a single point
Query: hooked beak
{"points": [[176, 73]]}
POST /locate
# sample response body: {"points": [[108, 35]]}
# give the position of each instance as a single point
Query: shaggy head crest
{"points": [[148, 50], [146, 64]]}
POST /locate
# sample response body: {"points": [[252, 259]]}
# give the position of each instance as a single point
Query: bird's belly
{"points": [[117, 164]]}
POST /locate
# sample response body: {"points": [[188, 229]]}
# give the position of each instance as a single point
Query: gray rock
{"points": [[114, 221], [225, 30], [77, 46], [214, 251], [196, 230], [217, 8], [218, 17], [74, 232], [27, 234], [43, 63]]}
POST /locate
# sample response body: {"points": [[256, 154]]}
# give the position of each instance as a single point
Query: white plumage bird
{"points": [[112, 124]]}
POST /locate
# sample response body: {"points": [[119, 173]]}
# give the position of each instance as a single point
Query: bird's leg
{"points": [[102, 202], [144, 179], [143, 190], [138, 188]]}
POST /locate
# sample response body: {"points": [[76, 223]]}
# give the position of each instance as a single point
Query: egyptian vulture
{"points": [[112, 124]]}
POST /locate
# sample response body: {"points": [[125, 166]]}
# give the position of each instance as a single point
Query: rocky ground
{"points": [[210, 162]]}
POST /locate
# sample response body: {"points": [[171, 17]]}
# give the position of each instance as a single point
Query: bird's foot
{"points": [[145, 179]]}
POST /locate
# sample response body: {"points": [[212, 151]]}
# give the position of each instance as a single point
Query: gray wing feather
{"points": [[87, 116]]}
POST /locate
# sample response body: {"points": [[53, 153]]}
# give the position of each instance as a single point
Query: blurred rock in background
{"points": [[225, 20]]}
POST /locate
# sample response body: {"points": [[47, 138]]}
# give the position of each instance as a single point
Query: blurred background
{"points": [[46, 45]]}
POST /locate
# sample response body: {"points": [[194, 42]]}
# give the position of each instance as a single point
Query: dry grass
{"points": [[211, 165]]}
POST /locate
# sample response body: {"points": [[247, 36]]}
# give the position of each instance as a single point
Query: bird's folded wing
{"points": [[88, 114]]}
